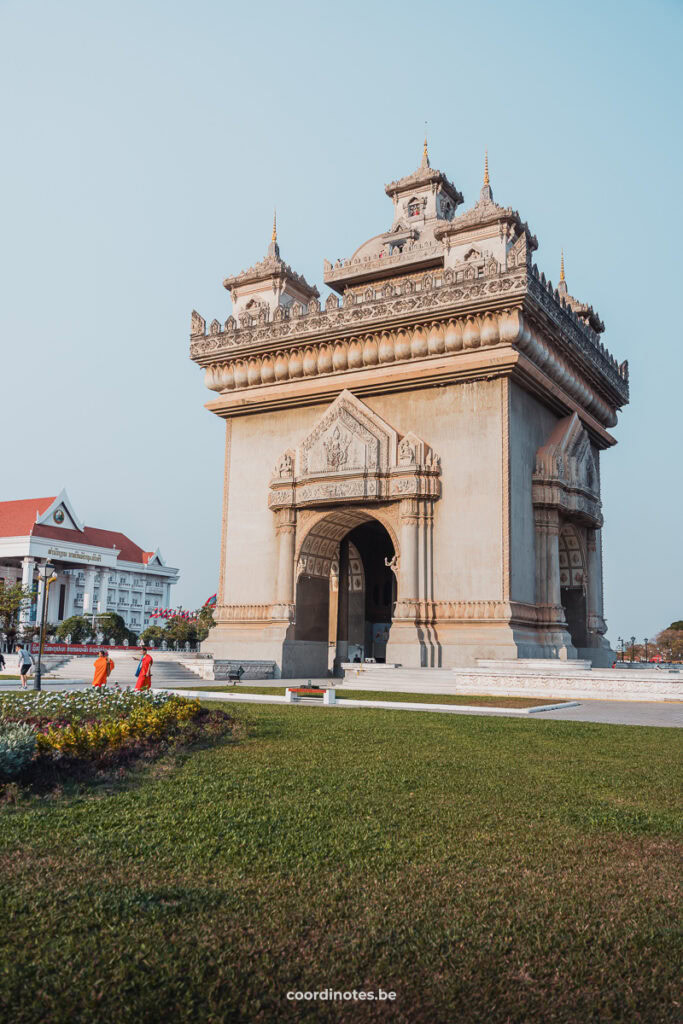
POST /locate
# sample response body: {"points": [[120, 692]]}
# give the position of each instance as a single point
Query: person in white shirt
{"points": [[25, 665]]}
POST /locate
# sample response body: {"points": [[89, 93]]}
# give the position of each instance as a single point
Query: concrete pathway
{"points": [[612, 712]]}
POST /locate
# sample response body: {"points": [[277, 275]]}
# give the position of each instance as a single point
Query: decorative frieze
{"points": [[412, 341], [434, 291]]}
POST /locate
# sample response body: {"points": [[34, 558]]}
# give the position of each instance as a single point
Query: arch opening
{"points": [[573, 584], [345, 590]]}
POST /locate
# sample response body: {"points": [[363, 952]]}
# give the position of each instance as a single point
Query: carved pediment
{"points": [[348, 437], [351, 454], [565, 474]]}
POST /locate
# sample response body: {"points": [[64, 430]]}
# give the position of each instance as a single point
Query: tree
{"points": [[678, 625], [153, 635], [78, 627], [180, 631], [12, 597], [113, 627], [205, 621], [670, 643]]}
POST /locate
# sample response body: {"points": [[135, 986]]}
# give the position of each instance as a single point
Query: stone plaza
{"points": [[412, 469]]}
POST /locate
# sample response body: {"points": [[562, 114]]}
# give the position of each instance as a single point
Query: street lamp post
{"points": [[47, 577], [633, 649], [620, 641], [646, 643]]}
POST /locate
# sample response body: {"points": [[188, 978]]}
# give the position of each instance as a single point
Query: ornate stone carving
{"points": [[565, 478], [352, 454], [337, 448]]}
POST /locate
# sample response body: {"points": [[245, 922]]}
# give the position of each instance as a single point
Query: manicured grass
{"points": [[486, 870], [409, 698]]}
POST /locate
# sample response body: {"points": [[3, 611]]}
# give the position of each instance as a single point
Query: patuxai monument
{"points": [[412, 467]]}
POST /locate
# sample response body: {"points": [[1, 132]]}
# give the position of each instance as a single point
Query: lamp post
{"points": [[633, 649], [620, 641], [47, 577], [646, 643]]}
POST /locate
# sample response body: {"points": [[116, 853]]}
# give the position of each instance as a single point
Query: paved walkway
{"points": [[612, 712]]}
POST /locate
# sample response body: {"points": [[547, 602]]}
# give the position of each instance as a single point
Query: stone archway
{"points": [[351, 469], [345, 591]]}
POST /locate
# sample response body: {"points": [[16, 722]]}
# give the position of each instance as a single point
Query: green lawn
{"points": [[410, 698], [486, 870]]}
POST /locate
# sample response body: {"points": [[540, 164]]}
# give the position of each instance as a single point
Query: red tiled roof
{"points": [[18, 517], [92, 537]]}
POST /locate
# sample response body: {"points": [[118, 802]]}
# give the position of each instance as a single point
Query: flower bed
{"points": [[87, 724]]}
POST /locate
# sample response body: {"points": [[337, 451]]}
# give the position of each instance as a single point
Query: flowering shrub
{"points": [[83, 724], [17, 747]]}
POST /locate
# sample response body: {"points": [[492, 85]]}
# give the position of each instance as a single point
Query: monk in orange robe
{"points": [[144, 672], [103, 667]]}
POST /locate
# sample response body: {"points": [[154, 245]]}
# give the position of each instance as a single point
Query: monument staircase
{"points": [[165, 673]]}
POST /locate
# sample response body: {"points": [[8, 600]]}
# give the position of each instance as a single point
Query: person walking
{"points": [[103, 666], [25, 664], [2, 661], [144, 671]]}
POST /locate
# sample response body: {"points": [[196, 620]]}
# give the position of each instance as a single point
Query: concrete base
{"points": [[252, 669], [646, 685], [444, 644], [535, 666]]}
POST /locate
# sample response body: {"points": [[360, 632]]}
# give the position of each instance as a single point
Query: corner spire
{"points": [[562, 284], [274, 248], [486, 195]]}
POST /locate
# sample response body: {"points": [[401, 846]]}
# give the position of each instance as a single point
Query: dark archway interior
{"points": [[345, 591], [375, 548], [574, 604]]}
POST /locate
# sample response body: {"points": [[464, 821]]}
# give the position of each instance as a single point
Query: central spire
{"points": [[274, 235], [425, 154]]}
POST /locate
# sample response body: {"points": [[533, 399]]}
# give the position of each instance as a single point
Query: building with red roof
{"points": [[97, 570]]}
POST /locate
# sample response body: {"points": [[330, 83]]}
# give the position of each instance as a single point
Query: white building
{"points": [[97, 570]]}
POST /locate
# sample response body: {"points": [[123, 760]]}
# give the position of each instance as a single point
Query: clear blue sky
{"points": [[145, 144]]}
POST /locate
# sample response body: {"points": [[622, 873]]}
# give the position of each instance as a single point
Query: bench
{"points": [[295, 693]]}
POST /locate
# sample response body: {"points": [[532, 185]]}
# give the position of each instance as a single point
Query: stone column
{"points": [[408, 583], [69, 595], [409, 642], [547, 522], [27, 568], [548, 596], [596, 623], [89, 591], [41, 595], [343, 605], [103, 576], [425, 591], [285, 527]]}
